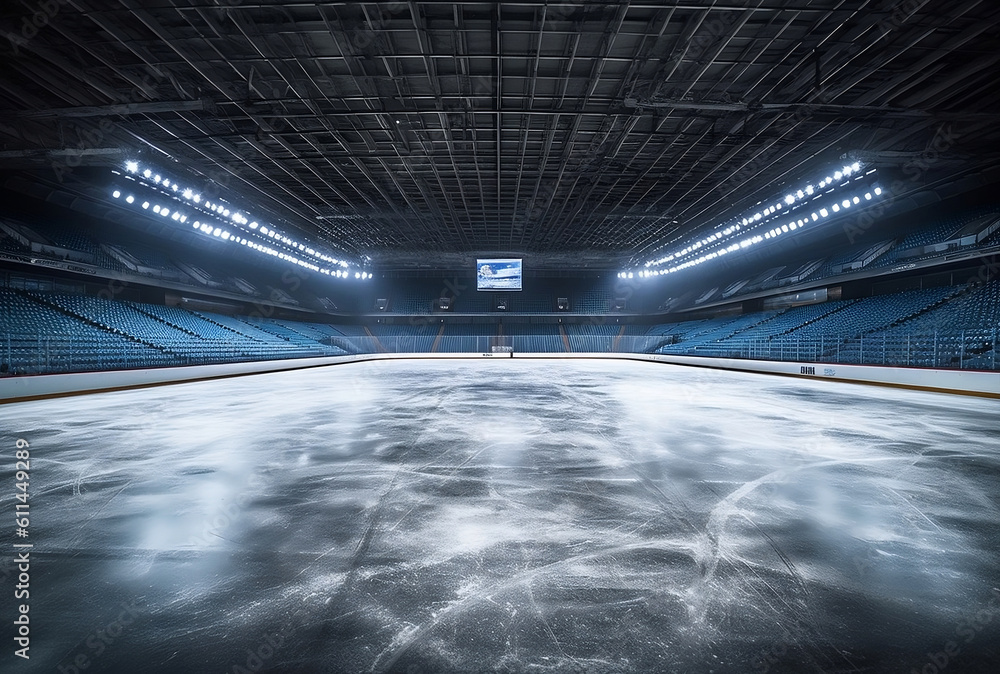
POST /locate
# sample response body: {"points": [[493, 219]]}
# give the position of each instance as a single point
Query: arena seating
{"points": [[592, 337], [37, 337], [466, 338], [406, 338], [535, 338], [955, 326]]}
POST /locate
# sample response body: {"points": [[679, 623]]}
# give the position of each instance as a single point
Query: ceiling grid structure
{"points": [[577, 133]]}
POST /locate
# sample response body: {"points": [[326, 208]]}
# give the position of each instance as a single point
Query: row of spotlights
{"points": [[226, 235], [222, 210], [771, 234], [761, 216]]}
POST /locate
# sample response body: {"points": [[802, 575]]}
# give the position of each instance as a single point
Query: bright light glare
{"points": [[237, 217]]}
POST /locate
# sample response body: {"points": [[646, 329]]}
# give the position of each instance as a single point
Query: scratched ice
{"points": [[515, 516]]}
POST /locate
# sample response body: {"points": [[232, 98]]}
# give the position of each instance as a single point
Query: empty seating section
{"points": [[940, 327], [258, 339], [923, 233], [73, 239], [39, 338], [54, 332], [406, 338], [345, 330], [593, 302], [953, 326], [121, 318], [960, 332], [759, 326], [937, 232], [535, 338], [839, 259], [465, 338], [303, 344], [11, 245], [152, 258], [592, 338], [873, 313], [195, 343], [720, 328], [411, 304]]}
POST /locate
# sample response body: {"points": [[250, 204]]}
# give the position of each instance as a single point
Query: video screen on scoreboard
{"points": [[498, 274]]}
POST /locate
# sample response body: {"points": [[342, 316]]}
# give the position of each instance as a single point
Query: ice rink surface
{"points": [[508, 516]]}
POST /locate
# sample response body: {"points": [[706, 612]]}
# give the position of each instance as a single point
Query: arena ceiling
{"points": [[587, 133]]}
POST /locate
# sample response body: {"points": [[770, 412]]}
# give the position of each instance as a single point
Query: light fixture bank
{"points": [[150, 190], [840, 190]]}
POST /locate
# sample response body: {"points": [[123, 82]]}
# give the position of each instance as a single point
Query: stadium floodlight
{"points": [[116, 194], [129, 199], [156, 208], [824, 212], [878, 191], [856, 200], [234, 215]]}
